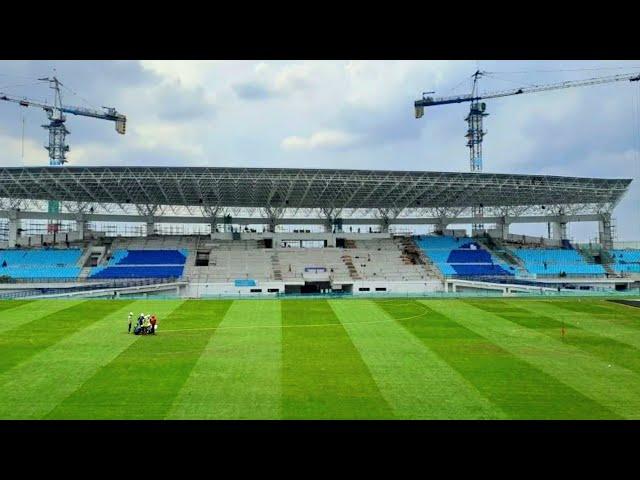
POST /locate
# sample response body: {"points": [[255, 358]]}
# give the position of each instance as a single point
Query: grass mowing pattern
{"points": [[416, 382], [62, 368], [144, 380], [323, 375], [238, 375], [13, 316], [607, 349], [342, 359], [20, 343], [12, 304], [614, 388], [519, 389]]}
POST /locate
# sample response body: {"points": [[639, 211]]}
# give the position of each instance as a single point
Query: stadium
{"points": [[299, 293], [304, 299]]}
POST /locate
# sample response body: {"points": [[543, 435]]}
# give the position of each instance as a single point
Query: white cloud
{"points": [[12, 152], [331, 114], [326, 139], [188, 72]]}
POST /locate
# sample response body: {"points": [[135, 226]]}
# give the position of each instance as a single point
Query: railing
{"points": [[86, 286], [429, 295]]}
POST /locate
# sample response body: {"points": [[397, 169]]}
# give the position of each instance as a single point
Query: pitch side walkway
{"points": [[238, 375], [416, 382], [610, 387]]}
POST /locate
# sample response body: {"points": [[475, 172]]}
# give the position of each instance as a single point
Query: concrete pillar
{"points": [[150, 225], [441, 226], [80, 226], [604, 230], [559, 230], [14, 224], [213, 224], [273, 221], [502, 228]]}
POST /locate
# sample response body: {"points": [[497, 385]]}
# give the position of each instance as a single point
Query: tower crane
{"points": [[477, 112], [56, 114], [58, 147]]}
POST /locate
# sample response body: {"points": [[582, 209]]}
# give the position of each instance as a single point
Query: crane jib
{"points": [[431, 101]]}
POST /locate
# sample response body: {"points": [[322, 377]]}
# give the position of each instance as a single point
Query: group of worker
{"points": [[146, 324]]}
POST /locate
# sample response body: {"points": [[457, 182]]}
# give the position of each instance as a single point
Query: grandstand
{"points": [[625, 261], [280, 231]]}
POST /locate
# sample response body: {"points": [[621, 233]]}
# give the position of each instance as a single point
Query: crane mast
{"points": [[477, 111], [57, 146]]}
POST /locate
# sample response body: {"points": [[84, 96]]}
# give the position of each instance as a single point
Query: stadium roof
{"points": [[301, 188]]}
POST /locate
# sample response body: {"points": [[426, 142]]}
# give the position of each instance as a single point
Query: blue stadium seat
{"points": [[148, 257], [461, 257], [142, 264], [46, 264], [625, 260], [554, 261], [138, 272]]}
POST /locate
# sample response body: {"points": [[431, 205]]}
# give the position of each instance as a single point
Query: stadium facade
{"points": [[276, 231]]}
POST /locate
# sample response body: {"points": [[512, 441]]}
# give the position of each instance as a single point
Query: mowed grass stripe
{"points": [[577, 329], [516, 387], [238, 375], [7, 304], [606, 325], [323, 375], [144, 380], [414, 380], [23, 342], [613, 388], [25, 312], [623, 315], [34, 388]]}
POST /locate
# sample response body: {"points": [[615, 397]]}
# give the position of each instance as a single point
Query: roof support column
{"points": [[330, 216], [386, 214], [151, 225], [272, 214], [502, 228], [80, 226], [14, 225], [441, 226], [559, 231], [149, 212], [212, 214], [605, 233]]}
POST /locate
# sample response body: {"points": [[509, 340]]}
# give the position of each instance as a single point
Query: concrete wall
{"points": [[196, 290], [397, 287]]}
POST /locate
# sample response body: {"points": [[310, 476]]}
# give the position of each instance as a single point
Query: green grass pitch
{"points": [[474, 358]]}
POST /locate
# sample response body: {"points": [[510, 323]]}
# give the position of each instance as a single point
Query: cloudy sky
{"points": [[330, 114]]}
